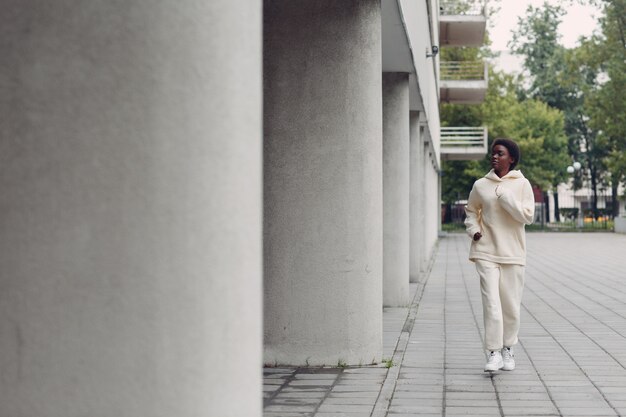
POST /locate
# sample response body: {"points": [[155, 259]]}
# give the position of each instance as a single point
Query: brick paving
{"points": [[571, 359]]}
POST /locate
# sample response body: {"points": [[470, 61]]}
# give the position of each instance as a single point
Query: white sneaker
{"points": [[494, 361], [508, 359]]}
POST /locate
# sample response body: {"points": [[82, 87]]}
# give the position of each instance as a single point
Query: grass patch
{"points": [[388, 363], [572, 227], [453, 227]]}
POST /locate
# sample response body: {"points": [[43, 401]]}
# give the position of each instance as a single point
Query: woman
{"points": [[499, 206]]}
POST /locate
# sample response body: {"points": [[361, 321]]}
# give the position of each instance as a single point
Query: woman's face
{"points": [[501, 159]]}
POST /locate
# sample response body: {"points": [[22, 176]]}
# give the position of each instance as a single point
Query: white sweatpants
{"points": [[501, 286]]}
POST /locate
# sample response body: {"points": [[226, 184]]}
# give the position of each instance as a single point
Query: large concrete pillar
{"points": [[323, 182], [130, 208], [416, 206], [431, 201], [396, 157], [438, 203]]}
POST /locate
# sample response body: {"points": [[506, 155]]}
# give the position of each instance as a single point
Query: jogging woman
{"points": [[499, 206]]}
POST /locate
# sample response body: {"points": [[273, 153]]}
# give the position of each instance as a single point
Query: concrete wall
{"points": [[423, 30], [130, 208], [323, 182], [396, 159]]}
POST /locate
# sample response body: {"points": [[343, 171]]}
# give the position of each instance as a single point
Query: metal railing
{"points": [[463, 70], [463, 136], [464, 8]]}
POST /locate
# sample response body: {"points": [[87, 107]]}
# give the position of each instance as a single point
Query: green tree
{"points": [[537, 40], [606, 104], [458, 176], [540, 133], [536, 127], [561, 78]]}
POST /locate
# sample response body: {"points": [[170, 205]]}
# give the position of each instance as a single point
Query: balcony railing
{"points": [[462, 23], [448, 8], [463, 70], [467, 137], [463, 143]]}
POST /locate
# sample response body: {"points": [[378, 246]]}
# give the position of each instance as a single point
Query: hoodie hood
{"points": [[511, 175]]}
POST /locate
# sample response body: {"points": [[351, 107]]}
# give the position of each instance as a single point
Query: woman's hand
{"points": [[477, 236]]}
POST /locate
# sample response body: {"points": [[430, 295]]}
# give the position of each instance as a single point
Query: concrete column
{"points": [[438, 204], [396, 157], [130, 208], [416, 214], [428, 198], [323, 182], [431, 200]]}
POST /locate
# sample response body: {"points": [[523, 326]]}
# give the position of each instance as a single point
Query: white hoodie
{"points": [[499, 208]]}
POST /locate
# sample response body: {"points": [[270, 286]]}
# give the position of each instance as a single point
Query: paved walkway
{"points": [[571, 359]]}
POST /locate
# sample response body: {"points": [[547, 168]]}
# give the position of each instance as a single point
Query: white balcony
{"points": [[463, 143], [461, 24], [463, 82]]}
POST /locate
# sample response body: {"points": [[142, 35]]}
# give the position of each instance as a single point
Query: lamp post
{"points": [[575, 167]]}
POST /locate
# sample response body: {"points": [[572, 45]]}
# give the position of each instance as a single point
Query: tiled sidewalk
{"points": [[571, 357]]}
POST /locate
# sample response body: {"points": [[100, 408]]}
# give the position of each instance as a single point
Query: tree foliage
{"points": [[537, 128], [569, 104], [606, 104], [570, 80], [537, 41]]}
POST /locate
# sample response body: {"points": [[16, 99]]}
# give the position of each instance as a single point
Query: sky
{"points": [[579, 21]]}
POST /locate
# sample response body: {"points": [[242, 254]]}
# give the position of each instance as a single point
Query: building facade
{"points": [[192, 190]]}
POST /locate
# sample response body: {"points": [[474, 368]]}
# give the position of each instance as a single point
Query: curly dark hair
{"points": [[512, 147]]}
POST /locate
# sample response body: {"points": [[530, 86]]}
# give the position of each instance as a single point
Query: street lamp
{"points": [[575, 167]]}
